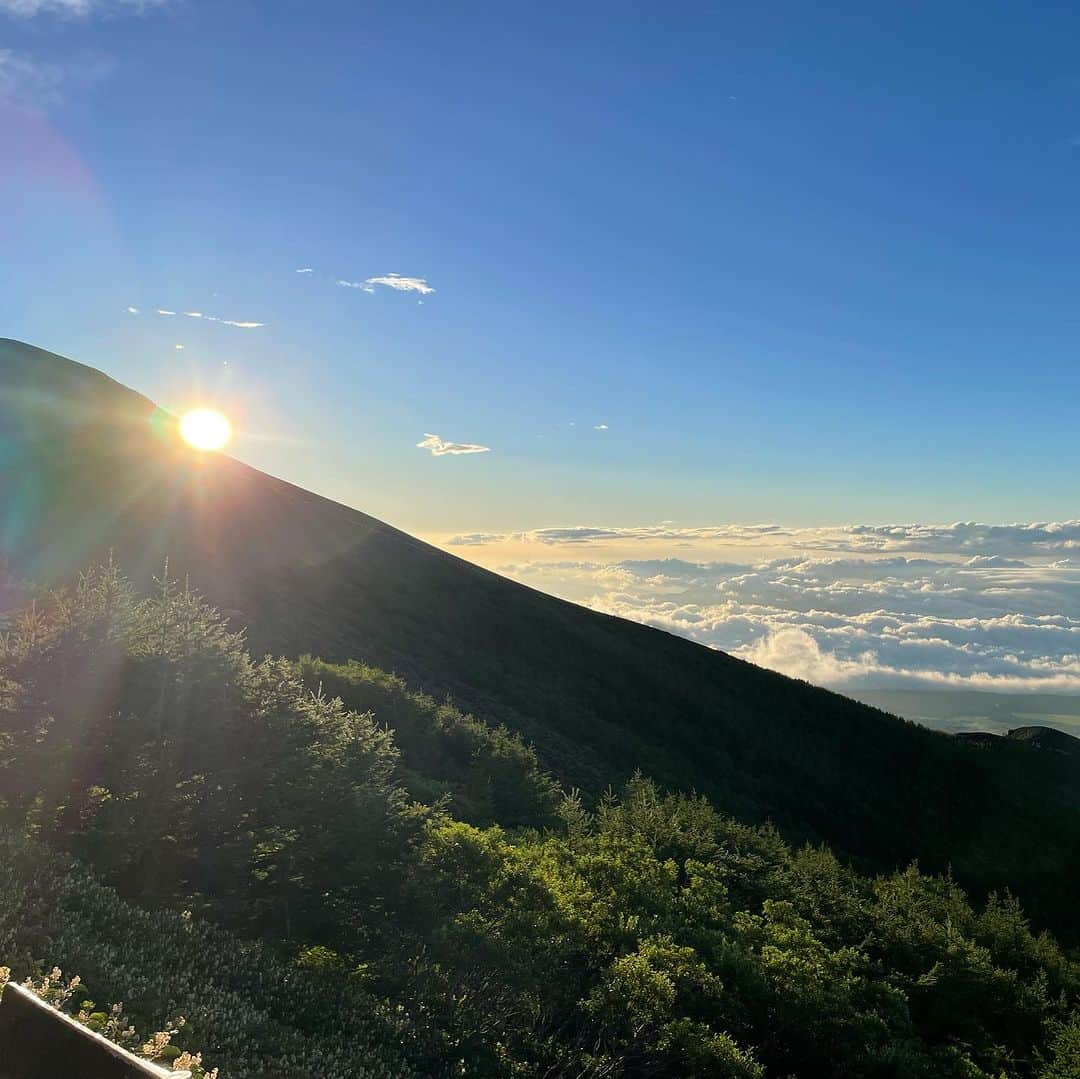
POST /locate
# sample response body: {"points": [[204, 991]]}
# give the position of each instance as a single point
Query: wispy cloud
{"points": [[162, 311], [390, 280], [402, 284], [600, 426], [242, 325], [441, 448], [79, 9], [133, 310], [306, 269], [28, 82]]}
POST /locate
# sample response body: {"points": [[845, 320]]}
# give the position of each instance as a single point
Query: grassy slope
{"points": [[249, 1012]]}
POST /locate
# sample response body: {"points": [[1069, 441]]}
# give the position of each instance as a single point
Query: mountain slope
{"points": [[1036, 737], [87, 466]]}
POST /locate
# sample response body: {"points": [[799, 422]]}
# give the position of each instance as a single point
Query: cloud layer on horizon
{"points": [[852, 623], [964, 606], [960, 538]]}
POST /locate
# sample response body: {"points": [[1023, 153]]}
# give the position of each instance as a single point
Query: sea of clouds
{"points": [[971, 606]]}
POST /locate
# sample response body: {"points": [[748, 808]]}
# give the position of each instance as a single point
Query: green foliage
{"points": [[248, 1011], [142, 736], [487, 773], [660, 938], [1064, 1050], [644, 934]]}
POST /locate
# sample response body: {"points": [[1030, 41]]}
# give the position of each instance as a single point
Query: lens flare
{"points": [[205, 429]]}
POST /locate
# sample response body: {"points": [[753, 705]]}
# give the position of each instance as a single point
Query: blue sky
{"points": [[809, 264]]}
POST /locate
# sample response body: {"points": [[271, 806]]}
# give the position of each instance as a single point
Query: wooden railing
{"points": [[39, 1042]]}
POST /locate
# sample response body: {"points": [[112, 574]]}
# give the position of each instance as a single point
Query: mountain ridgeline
{"points": [[88, 467]]}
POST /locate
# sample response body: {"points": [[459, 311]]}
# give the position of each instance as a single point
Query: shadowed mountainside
{"points": [[88, 466], [1036, 737]]}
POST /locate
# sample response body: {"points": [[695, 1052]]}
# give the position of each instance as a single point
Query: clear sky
{"points": [[808, 263]]}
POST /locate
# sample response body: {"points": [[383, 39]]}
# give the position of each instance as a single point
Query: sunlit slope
{"points": [[86, 467]]}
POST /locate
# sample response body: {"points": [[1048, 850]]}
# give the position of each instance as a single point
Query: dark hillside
{"points": [[1035, 737], [87, 466], [1047, 738]]}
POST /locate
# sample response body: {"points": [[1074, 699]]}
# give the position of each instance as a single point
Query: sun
{"points": [[205, 429]]}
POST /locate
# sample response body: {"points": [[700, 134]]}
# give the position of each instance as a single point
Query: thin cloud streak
{"points": [[242, 325]]}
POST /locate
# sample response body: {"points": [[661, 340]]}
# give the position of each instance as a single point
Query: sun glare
{"points": [[205, 429]]}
